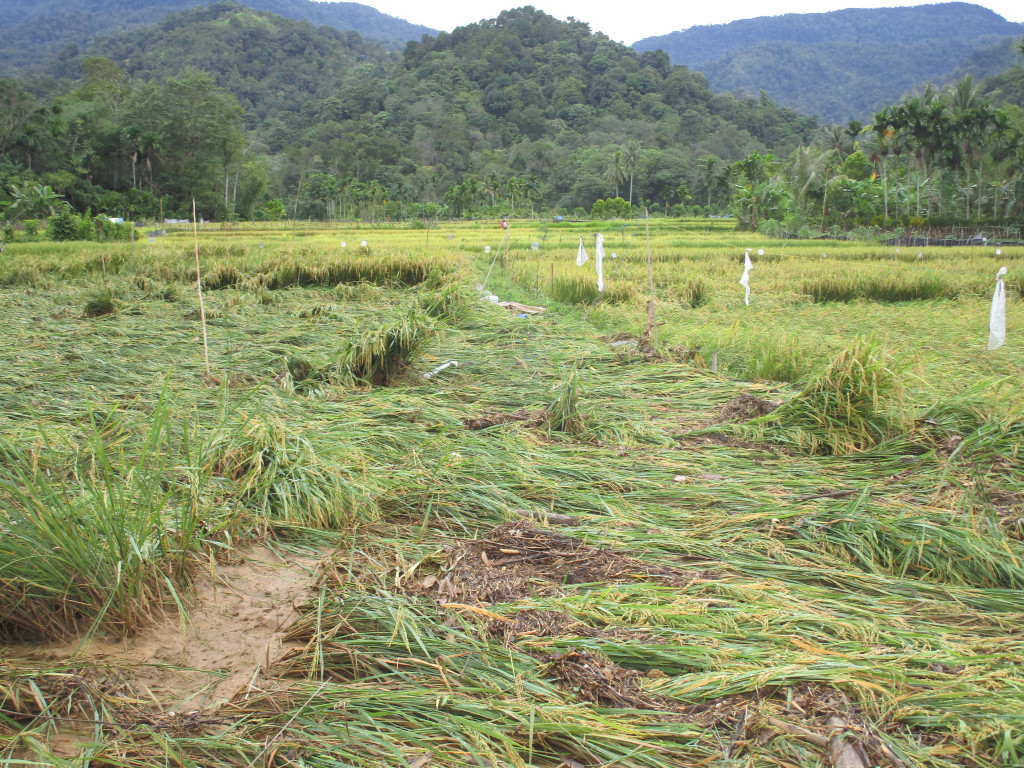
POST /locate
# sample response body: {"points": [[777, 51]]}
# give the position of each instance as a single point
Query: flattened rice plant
{"points": [[843, 410], [279, 473], [377, 356]]}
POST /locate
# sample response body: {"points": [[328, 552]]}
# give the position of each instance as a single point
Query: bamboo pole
{"points": [[199, 289], [652, 321]]}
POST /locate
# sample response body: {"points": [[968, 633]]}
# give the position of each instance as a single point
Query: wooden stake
{"points": [[843, 753], [199, 288]]}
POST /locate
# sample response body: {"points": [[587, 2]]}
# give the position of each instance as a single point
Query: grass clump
{"points": [[377, 356], [100, 303], [280, 475], [572, 289], [842, 410], [564, 414], [106, 550], [695, 292], [328, 270]]}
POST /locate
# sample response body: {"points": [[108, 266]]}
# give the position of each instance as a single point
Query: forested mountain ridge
{"points": [[32, 31], [254, 115], [521, 107], [271, 64], [844, 64]]}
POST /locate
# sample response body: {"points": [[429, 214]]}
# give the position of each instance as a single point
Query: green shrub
{"points": [[63, 226], [66, 226]]}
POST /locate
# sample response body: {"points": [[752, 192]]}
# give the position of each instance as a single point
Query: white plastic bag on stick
{"points": [[581, 255], [598, 258], [997, 317], [745, 280]]}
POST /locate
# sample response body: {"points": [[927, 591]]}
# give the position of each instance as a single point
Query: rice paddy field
{"points": [[616, 533]]}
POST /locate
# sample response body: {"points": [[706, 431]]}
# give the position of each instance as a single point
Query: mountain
{"points": [[543, 110], [271, 64], [845, 64], [32, 32], [1005, 88]]}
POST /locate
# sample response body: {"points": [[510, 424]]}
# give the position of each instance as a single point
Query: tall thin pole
{"points": [[652, 323], [199, 289]]}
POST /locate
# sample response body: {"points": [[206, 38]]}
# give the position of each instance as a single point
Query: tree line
{"points": [[519, 115], [937, 158]]}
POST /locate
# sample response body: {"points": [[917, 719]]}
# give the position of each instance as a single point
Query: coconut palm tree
{"points": [[835, 139], [883, 130], [710, 173], [809, 167], [616, 173], [967, 126], [633, 158]]}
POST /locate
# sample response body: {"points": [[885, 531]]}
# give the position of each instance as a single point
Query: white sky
{"points": [[626, 23]]}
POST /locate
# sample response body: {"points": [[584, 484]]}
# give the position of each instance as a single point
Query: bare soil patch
{"points": [[747, 407], [234, 630], [493, 419], [517, 560]]}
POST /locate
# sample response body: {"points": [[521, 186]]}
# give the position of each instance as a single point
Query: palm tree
{"points": [[1007, 143], [835, 139], [967, 125], [854, 129], [531, 188], [490, 186], [809, 165], [616, 173], [937, 129], [513, 184], [709, 174], [884, 133], [633, 158]]}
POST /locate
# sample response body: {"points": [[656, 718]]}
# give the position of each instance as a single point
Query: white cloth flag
{"points": [[997, 317], [599, 257], [745, 280], [581, 255]]}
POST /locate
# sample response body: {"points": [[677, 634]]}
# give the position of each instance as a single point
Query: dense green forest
{"points": [[845, 64], [33, 32], [937, 158], [234, 107], [253, 115]]}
